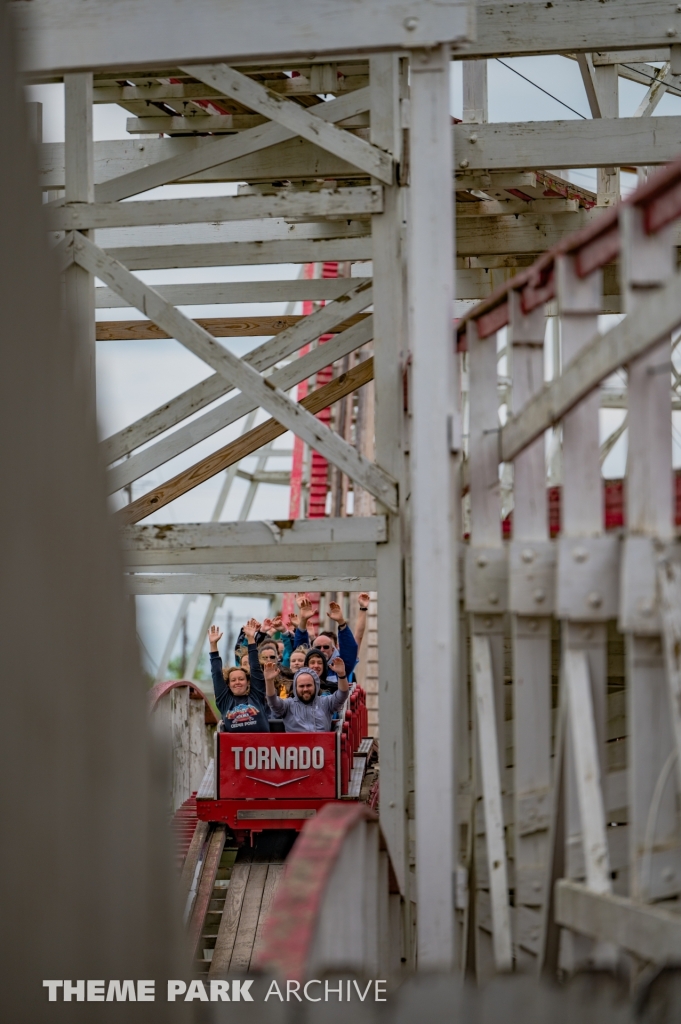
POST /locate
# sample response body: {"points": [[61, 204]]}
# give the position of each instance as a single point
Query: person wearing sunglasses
{"points": [[268, 653], [332, 647]]}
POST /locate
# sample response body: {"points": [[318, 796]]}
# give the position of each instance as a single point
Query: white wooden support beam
{"points": [[475, 104], [79, 182], [388, 76], [655, 92], [488, 758], [588, 73], [539, 144], [531, 637], [227, 292], [585, 748], [219, 151], [341, 202], [670, 608], [637, 334], [287, 578], [297, 119], [647, 263], [486, 601], [584, 642], [237, 372], [434, 501], [216, 419], [608, 178], [146, 37], [261, 358], [652, 934]]}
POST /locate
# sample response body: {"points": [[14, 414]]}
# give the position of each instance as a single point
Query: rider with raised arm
{"points": [[331, 645], [240, 692], [307, 710]]}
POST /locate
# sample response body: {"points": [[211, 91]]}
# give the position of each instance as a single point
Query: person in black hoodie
{"points": [[239, 694]]}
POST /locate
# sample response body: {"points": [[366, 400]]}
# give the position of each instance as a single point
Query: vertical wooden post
{"points": [[531, 633], [608, 178], [434, 500], [390, 345], [579, 302], [80, 188], [486, 602], [654, 859], [475, 106]]}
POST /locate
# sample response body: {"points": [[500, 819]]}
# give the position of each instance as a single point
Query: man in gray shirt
{"points": [[307, 710]]}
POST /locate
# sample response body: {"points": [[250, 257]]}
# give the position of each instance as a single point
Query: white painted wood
{"points": [[491, 798], [531, 642], [220, 292], [475, 105], [434, 510], [170, 125], [289, 534], [636, 334], [670, 608], [220, 151], [570, 27], [590, 82], [646, 264], [242, 254], [298, 119], [290, 582], [651, 933], [342, 202], [511, 207], [294, 160], [79, 186], [656, 91], [145, 36], [232, 410], [393, 667], [585, 749], [262, 358], [248, 380], [541, 144]]}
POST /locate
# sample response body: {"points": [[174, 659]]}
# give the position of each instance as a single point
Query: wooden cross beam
{"points": [[261, 391], [297, 119], [245, 445], [323, 321]]}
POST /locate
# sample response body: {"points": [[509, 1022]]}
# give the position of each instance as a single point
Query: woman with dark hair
{"points": [[239, 692]]}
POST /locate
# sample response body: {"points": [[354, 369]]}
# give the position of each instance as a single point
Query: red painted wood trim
{"points": [[159, 690], [291, 925]]}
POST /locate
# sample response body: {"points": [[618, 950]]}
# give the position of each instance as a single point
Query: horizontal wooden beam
{"points": [[527, 27], [289, 582], [212, 539], [340, 202], [227, 292], [219, 327], [243, 254], [293, 160], [161, 92], [245, 445], [628, 141], [514, 207], [650, 932], [654, 318], [55, 37], [220, 123]]}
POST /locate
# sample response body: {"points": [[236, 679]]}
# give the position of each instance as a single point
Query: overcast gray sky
{"points": [[134, 377]]}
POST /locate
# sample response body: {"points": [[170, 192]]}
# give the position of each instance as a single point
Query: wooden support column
{"points": [[580, 550], [80, 188], [475, 106], [607, 86], [434, 501], [390, 345], [486, 595], [531, 602], [654, 854]]}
